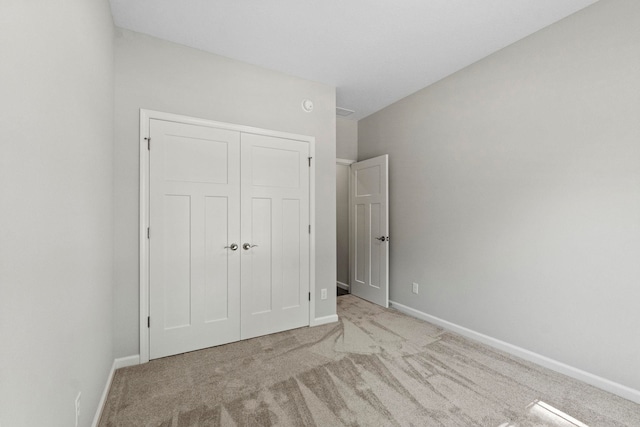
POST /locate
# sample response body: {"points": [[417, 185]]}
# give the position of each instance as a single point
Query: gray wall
{"points": [[158, 75], [56, 205], [346, 139], [515, 193]]}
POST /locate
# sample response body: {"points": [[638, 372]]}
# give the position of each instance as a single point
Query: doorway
{"points": [[343, 176], [362, 228]]}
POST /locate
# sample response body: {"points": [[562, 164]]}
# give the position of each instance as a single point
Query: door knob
{"points": [[233, 247], [247, 246], [382, 238]]}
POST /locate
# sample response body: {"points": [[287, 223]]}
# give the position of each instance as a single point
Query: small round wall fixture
{"points": [[307, 105]]}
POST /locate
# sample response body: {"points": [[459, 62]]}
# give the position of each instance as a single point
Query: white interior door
{"points": [[275, 234], [194, 200], [369, 230]]}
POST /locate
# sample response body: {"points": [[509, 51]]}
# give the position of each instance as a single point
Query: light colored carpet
{"points": [[376, 367]]}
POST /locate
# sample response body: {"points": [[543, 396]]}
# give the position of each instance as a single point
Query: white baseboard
{"points": [[589, 378], [324, 320], [121, 362], [342, 285]]}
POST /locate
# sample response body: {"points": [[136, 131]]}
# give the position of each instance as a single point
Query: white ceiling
{"points": [[374, 52]]}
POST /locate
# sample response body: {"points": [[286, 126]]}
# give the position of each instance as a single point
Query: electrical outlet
{"points": [[415, 288], [78, 408], [323, 293]]}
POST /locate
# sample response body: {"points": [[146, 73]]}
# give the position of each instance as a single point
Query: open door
{"points": [[369, 230]]}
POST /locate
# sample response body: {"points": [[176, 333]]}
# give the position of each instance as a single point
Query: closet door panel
{"points": [[275, 221], [194, 210]]}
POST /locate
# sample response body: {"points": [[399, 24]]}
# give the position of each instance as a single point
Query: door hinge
{"points": [[310, 160], [309, 296], [148, 321], [148, 143], [148, 232], [309, 228]]}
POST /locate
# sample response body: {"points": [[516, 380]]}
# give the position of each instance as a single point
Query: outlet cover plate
{"points": [[415, 288]]}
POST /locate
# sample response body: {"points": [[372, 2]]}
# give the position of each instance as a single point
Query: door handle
{"points": [[382, 238], [248, 246], [232, 246]]}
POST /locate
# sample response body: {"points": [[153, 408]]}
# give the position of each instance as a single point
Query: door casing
{"points": [[145, 117]]}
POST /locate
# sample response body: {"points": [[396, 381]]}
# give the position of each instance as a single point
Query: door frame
{"points": [[145, 117]]}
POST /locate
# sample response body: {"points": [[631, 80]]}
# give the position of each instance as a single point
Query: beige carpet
{"points": [[376, 367]]}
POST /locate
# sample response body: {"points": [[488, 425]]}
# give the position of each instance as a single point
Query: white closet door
{"points": [[194, 294], [275, 234], [370, 230]]}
